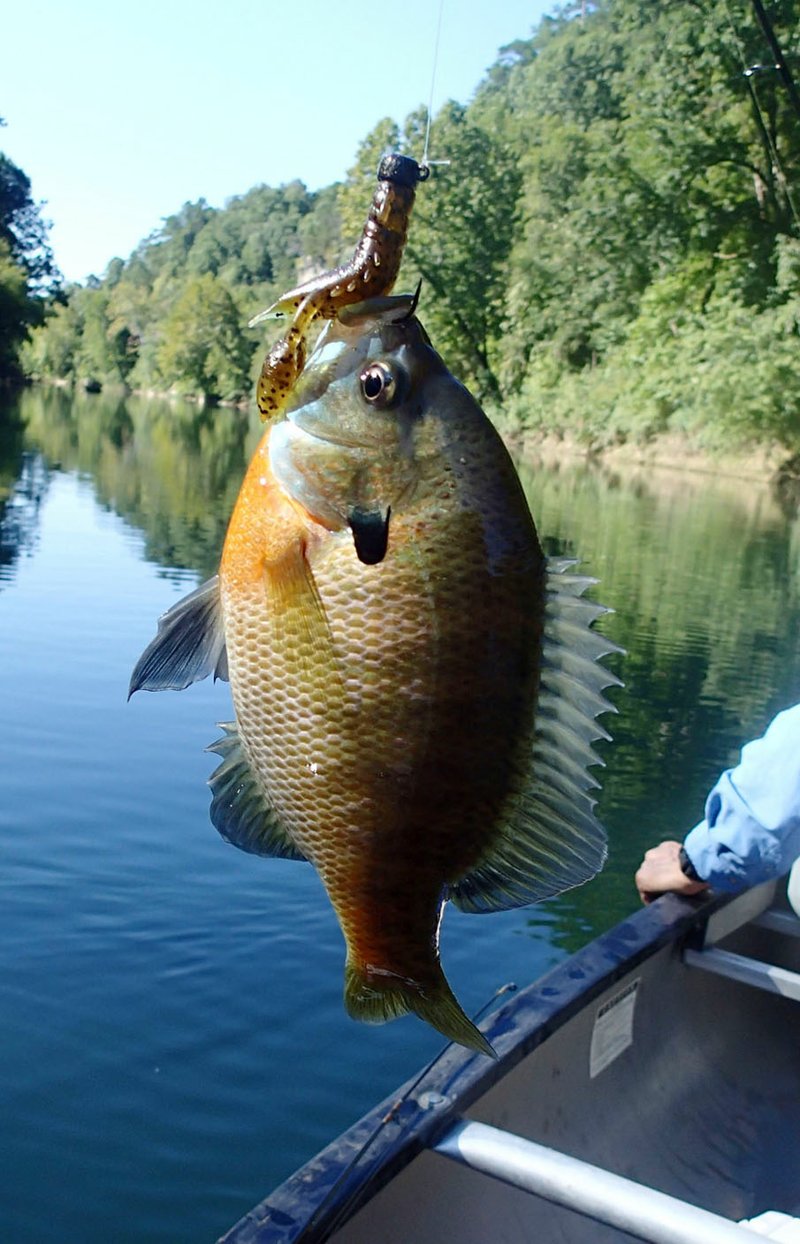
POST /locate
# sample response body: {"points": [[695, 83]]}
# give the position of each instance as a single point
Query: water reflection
{"points": [[703, 576], [23, 483], [169, 469], [168, 1000], [702, 573]]}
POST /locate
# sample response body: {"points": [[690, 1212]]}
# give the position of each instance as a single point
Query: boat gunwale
{"points": [[323, 1194]]}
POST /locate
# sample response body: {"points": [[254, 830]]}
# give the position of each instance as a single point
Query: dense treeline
{"points": [[614, 249], [27, 271]]}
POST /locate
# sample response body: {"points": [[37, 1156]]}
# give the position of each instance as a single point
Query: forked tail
{"points": [[376, 995]]}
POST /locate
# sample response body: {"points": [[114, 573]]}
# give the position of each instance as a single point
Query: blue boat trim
{"points": [[459, 1077]]}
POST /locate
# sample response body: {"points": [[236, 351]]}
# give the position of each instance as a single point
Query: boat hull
{"points": [[625, 1056]]}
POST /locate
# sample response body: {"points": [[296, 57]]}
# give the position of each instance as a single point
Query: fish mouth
{"points": [[327, 434]]}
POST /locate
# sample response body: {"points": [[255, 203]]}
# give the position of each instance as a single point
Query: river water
{"points": [[173, 1039]]}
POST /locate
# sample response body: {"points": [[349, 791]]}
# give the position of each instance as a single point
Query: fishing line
{"points": [[748, 72], [391, 1114], [424, 161], [773, 150], [781, 65]]}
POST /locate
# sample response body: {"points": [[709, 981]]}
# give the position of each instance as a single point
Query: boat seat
{"points": [[778, 920], [782, 1228], [635, 1208], [741, 968], [748, 971]]}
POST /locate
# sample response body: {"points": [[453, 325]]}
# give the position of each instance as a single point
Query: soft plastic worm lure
{"points": [[371, 273]]}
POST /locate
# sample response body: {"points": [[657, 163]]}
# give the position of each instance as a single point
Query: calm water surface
{"points": [[173, 1039]]}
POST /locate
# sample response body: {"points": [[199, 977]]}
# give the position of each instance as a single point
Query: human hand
{"points": [[660, 871]]}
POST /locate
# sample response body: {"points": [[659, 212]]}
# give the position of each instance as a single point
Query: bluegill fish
{"points": [[415, 686]]}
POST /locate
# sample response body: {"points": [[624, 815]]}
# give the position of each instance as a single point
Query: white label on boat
{"points": [[613, 1028]]}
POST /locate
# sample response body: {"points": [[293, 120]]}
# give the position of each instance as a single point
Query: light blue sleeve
{"points": [[751, 830]]}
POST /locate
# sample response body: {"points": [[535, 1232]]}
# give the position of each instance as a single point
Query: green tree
{"points": [[203, 349], [23, 229], [612, 250], [642, 153], [168, 248], [320, 231], [461, 233], [27, 269], [16, 308], [355, 193], [104, 354]]}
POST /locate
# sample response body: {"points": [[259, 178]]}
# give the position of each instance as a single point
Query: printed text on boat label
{"points": [[613, 1028]]}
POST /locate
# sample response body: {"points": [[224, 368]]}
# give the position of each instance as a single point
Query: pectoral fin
{"points": [[297, 618], [370, 530], [189, 645]]}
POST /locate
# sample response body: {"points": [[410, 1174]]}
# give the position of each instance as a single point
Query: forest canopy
{"points": [[27, 270], [613, 250]]}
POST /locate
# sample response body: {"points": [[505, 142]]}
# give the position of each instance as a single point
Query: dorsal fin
{"points": [[189, 645], [551, 839], [240, 809]]}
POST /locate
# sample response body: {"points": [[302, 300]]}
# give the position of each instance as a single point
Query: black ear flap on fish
{"points": [[370, 534]]}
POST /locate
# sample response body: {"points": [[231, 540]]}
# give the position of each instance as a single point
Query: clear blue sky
{"points": [[120, 113]]}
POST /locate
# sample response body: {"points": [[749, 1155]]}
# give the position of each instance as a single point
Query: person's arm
{"points": [[751, 830]]}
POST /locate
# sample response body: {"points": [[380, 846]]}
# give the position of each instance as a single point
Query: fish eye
{"points": [[380, 384]]}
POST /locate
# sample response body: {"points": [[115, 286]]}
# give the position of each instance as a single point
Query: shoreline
{"points": [[669, 452]]}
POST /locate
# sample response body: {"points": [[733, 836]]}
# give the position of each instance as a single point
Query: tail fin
{"points": [[375, 997]]}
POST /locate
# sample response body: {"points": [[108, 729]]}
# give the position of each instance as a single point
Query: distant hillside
{"points": [[614, 250]]}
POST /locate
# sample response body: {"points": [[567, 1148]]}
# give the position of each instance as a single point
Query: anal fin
{"points": [[240, 810]]}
